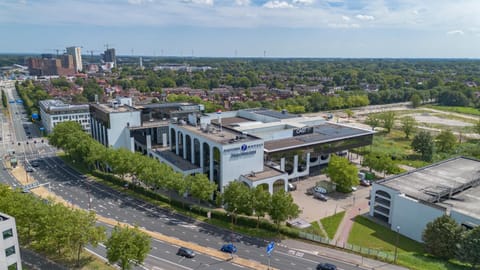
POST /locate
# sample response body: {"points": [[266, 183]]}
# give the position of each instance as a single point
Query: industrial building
{"points": [[49, 65], [10, 250], [407, 202], [53, 112]]}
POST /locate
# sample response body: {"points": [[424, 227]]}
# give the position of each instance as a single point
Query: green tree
{"points": [[423, 143], [445, 141], [387, 120], [83, 231], [282, 207], [238, 198], [261, 200], [4, 99], [342, 173], [373, 121], [200, 186], [469, 247], [416, 100], [127, 245], [441, 237], [409, 125], [349, 113], [380, 163]]}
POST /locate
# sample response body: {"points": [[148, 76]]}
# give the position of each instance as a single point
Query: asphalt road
{"points": [[76, 189]]}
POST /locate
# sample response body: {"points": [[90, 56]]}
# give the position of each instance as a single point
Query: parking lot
{"points": [[314, 209]]}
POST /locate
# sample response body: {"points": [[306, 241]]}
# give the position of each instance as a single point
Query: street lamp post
{"points": [[396, 245], [233, 228]]}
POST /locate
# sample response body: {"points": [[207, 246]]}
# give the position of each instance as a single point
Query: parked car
{"points": [[185, 252], [29, 169], [365, 183], [319, 189], [320, 196], [326, 266], [310, 191], [292, 187], [34, 164], [229, 248]]}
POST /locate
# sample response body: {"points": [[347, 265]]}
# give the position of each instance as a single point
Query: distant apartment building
{"points": [[10, 250], [76, 53], [53, 112], [63, 66], [110, 57]]}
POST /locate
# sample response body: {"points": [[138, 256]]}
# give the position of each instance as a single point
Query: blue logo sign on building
{"points": [[244, 147]]}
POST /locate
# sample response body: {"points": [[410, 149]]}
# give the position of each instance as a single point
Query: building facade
{"points": [[76, 53], [63, 66], [53, 112], [10, 250], [408, 202]]}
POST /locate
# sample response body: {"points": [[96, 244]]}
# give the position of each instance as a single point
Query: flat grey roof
{"points": [[466, 202], [224, 137], [436, 181], [178, 161], [325, 132], [275, 114], [267, 172]]}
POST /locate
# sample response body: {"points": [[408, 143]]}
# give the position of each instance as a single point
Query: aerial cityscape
{"points": [[240, 134]]}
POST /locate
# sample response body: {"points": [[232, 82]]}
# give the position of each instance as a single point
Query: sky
{"points": [[245, 28]]}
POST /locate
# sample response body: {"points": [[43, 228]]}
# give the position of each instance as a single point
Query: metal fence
{"points": [[385, 256]]}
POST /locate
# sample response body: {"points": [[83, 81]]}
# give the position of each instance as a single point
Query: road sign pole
{"points": [[268, 261]]}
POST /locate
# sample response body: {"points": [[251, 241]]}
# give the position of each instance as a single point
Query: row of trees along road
{"points": [[62, 232], [445, 238], [81, 147]]}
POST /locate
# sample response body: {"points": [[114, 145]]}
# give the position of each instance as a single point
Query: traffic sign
{"points": [[270, 247]]}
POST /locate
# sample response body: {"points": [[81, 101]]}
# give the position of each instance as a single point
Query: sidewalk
{"points": [[343, 231], [337, 254]]}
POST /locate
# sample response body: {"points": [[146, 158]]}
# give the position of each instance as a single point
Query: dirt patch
{"points": [[427, 118]]}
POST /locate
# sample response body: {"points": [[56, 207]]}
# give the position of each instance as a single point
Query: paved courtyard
{"points": [[313, 209]]}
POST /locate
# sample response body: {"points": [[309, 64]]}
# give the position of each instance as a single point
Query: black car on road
{"points": [[326, 266], [185, 252]]}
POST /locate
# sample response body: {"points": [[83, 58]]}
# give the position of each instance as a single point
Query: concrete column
{"points": [[282, 164], [164, 140], [149, 142], [211, 163], [308, 163], [201, 155], [184, 141], [132, 145], [176, 143], [270, 187], [285, 184], [192, 150]]}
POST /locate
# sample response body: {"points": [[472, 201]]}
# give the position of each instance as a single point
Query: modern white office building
{"points": [[407, 202], [10, 250], [256, 147], [53, 112], [76, 52]]}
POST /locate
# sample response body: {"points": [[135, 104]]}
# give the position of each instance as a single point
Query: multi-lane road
{"points": [[82, 192]]}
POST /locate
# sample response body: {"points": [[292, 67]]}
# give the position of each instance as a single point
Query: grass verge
{"points": [[367, 233], [331, 223], [315, 229], [456, 109]]}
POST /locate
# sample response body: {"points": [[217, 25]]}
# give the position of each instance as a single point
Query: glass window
{"points": [[10, 251], [7, 234], [12, 266]]}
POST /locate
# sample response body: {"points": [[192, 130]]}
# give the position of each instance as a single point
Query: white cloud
{"points": [[242, 2], [201, 2], [303, 2], [455, 32], [343, 25], [365, 17], [277, 4], [139, 2], [345, 18]]}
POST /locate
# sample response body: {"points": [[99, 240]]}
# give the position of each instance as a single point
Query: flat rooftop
{"points": [[434, 183], [325, 132], [178, 161], [107, 108], [267, 172], [274, 114], [223, 136], [58, 105], [466, 202]]}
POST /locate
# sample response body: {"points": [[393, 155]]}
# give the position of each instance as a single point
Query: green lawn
{"points": [[330, 224], [315, 229], [367, 233], [464, 110]]}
